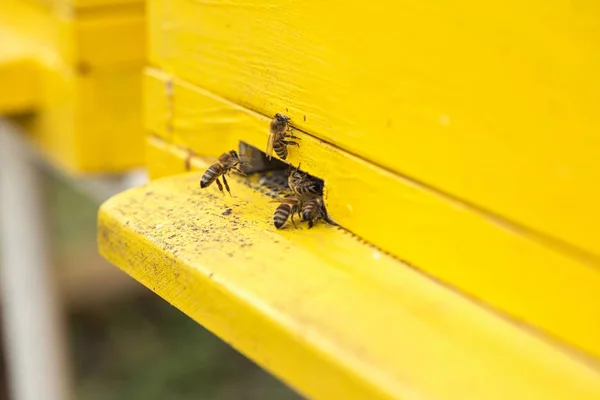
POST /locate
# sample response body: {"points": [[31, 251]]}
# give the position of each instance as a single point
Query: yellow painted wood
{"points": [[158, 103], [94, 38], [18, 73], [79, 5], [96, 3], [493, 102], [106, 39], [83, 82], [91, 123], [522, 275], [341, 321]]}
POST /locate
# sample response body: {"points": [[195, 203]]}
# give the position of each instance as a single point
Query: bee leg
{"points": [[325, 217], [226, 185], [219, 185], [330, 221], [310, 224], [239, 171], [293, 223]]}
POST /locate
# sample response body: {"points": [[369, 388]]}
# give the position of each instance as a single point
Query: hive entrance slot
{"points": [[268, 176]]}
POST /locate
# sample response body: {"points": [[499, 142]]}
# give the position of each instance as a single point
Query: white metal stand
{"points": [[35, 341]]}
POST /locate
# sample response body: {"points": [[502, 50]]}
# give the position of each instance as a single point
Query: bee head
{"points": [[282, 118], [295, 172], [238, 160]]}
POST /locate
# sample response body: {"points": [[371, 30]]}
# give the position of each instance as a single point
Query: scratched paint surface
{"points": [[219, 260], [517, 274], [493, 102]]}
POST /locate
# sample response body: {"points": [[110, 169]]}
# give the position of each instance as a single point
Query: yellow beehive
{"points": [[457, 139], [77, 67]]}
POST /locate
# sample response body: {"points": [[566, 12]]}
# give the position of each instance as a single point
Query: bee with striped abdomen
{"points": [[279, 137], [314, 210], [288, 207], [311, 210], [227, 162], [304, 185]]}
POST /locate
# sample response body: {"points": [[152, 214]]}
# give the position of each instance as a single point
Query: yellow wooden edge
{"points": [[18, 76], [333, 317], [83, 3], [518, 274], [101, 3], [19, 83], [495, 105]]}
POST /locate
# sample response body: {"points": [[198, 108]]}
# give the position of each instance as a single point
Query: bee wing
{"points": [[269, 151]]}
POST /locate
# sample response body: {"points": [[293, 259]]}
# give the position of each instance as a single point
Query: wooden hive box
{"points": [[458, 146]]}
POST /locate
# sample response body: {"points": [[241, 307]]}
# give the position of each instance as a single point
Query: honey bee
{"points": [[278, 137], [306, 200], [288, 207], [313, 210], [303, 184], [227, 162]]}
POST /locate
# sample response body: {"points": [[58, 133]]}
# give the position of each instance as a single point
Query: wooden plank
{"points": [[118, 37], [337, 322], [98, 38], [518, 274], [18, 76], [494, 103], [158, 103], [79, 5], [90, 123]]}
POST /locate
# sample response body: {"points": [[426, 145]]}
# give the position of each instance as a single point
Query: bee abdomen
{"points": [[282, 213], [280, 149], [309, 211], [211, 174]]}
